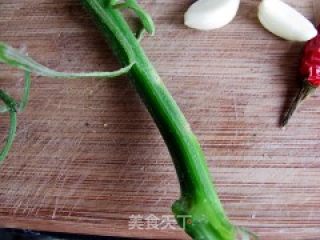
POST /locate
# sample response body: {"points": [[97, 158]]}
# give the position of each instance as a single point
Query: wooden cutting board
{"points": [[88, 157]]}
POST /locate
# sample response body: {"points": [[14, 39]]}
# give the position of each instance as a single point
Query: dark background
{"points": [[12, 234]]}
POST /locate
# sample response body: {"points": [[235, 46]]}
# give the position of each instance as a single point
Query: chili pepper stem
{"points": [[306, 90]]}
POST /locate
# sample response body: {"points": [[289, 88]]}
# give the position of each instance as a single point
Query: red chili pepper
{"points": [[310, 63], [309, 73]]}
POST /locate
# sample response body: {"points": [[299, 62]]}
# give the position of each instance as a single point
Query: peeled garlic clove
{"points": [[211, 14], [285, 22]]}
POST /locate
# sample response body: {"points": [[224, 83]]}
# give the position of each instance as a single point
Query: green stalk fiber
{"points": [[199, 199]]}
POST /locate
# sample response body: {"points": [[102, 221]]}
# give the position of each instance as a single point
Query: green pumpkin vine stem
{"points": [[199, 199]]}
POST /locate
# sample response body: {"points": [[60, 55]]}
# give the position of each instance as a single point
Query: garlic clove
{"points": [[211, 14], [285, 22]]}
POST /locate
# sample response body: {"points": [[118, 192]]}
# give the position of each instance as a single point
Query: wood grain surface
{"points": [[88, 156]]}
